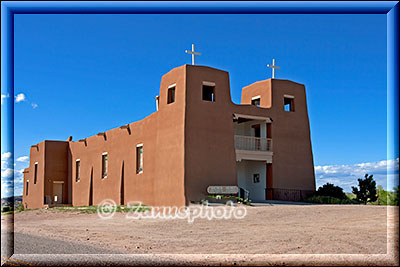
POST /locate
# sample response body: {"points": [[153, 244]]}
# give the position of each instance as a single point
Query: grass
{"points": [[350, 195], [93, 209], [88, 209], [13, 211], [221, 196], [7, 212], [239, 199]]}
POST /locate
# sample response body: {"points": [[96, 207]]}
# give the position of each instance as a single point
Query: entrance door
{"points": [[57, 192]]}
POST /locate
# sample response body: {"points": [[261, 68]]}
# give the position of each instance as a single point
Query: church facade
{"points": [[197, 138]]}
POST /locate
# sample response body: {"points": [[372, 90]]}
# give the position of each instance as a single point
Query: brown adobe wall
{"points": [[209, 145], [56, 168], [188, 145], [34, 198], [292, 166]]}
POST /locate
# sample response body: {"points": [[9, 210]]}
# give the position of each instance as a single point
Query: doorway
{"points": [[257, 135], [269, 182], [58, 192], [251, 182], [257, 130]]}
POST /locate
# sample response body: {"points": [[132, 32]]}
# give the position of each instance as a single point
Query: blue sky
{"points": [[83, 74]]}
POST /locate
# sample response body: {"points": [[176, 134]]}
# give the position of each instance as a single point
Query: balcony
{"points": [[253, 143], [253, 148]]}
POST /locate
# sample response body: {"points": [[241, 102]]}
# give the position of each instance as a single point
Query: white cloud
{"points": [[5, 159], [7, 173], [4, 97], [8, 186], [6, 155], [20, 97], [19, 173], [18, 182], [8, 181], [345, 176], [23, 159]]}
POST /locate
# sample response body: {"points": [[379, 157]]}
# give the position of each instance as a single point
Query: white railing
{"points": [[253, 143]]}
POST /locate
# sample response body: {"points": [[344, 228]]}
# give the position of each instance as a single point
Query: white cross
{"points": [[193, 53], [273, 68]]}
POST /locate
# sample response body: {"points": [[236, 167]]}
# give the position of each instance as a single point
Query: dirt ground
{"points": [[273, 229]]}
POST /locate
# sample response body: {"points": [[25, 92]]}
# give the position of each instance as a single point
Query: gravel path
{"points": [[275, 229], [30, 244]]}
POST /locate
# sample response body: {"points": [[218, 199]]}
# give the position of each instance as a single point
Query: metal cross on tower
{"points": [[193, 53], [273, 68]]}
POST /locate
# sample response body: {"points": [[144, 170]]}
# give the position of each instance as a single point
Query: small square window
{"points": [[209, 93], [289, 104], [256, 101], [256, 178], [171, 95]]}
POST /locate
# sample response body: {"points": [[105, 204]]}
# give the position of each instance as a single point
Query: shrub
{"points": [[6, 209], [331, 190], [21, 208], [244, 201], [385, 197], [330, 200]]}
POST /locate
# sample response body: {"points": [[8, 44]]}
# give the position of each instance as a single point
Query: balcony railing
{"points": [[253, 143]]}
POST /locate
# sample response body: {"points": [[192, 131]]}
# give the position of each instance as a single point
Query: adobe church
{"points": [[197, 138]]}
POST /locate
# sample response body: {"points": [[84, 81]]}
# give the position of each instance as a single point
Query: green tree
{"points": [[331, 190], [396, 196], [384, 197], [367, 189]]}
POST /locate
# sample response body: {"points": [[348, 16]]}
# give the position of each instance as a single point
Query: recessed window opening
{"points": [[35, 173], [256, 101], [289, 104], [27, 187], [171, 95], [77, 170], [139, 158], [256, 178], [209, 93], [104, 165]]}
